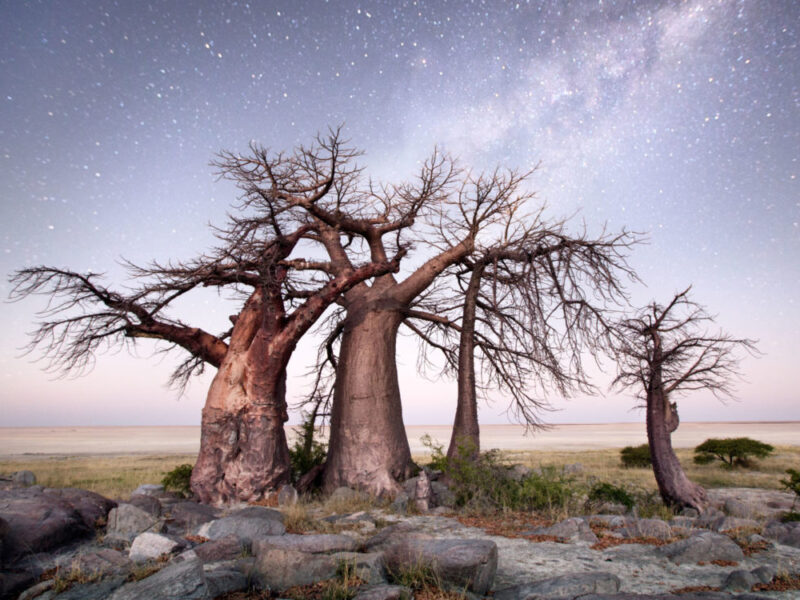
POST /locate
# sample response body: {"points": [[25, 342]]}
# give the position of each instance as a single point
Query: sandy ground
{"points": [[15, 441]]}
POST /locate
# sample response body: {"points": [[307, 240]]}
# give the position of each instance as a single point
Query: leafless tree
{"points": [[531, 307], [665, 350], [243, 453]]}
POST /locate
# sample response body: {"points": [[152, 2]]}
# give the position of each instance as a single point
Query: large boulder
{"points": [[569, 586], [246, 524], [38, 520], [384, 592], [463, 564], [148, 545], [704, 546], [787, 534], [646, 528], [188, 516], [225, 548], [177, 581], [127, 521], [369, 566], [279, 569]]}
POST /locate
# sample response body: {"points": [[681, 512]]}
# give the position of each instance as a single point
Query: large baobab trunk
{"points": [[466, 431], [675, 487], [368, 448], [243, 450]]}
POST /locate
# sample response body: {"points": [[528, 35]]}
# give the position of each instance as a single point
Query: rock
{"points": [[742, 509], [423, 493], [691, 513], [384, 592], [226, 548], [37, 522], [92, 591], [224, 578], [177, 581], [563, 586], [287, 495], [702, 547], [370, 567], [149, 545], [187, 516], [246, 524], [569, 530], [102, 561], [465, 564], [647, 528], [148, 489], [311, 543], [787, 534], [739, 581], [280, 569], [127, 521], [721, 524], [92, 507], [25, 478], [611, 508], [400, 503], [37, 590], [764, 573], [148, 504], [443, 494], [14, 582]]}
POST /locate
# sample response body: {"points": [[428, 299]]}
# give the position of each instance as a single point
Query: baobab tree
{"points": [[243, 451], [444, 209], [665, 351], [532, 306]]}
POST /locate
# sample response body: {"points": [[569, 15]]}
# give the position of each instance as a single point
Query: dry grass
{"points": [[111, 476], [117, 476]]}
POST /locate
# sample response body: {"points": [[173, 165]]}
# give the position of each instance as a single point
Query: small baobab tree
{"points": [[665, 351], [243, 451]]}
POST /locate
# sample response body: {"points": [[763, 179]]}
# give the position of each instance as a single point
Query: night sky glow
{"points": [[675, 118]]}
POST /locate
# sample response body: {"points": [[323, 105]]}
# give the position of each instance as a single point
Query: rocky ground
{"points": [[73, 544]]}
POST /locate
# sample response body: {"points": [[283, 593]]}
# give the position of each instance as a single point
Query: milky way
{"points": [[678, 119]]}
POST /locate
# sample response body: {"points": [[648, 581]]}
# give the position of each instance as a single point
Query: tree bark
{"points": [[675, 487], [466, 431], [368, 445], [243, 450]]}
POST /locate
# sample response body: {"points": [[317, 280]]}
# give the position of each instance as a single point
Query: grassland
{"points": [[117, 476]]}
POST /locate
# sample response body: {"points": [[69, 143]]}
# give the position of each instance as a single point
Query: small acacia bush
{"points": [[635, 456], [178, 480], [608, 492], [307, 452], [792, 484], [733, 452], [483, 482]]}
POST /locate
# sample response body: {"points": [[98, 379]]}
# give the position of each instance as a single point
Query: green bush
{"points": [[307, 452], [178, 480], [792, 484], [608, 492], [482, 482], [636, 456], [733, 452]]}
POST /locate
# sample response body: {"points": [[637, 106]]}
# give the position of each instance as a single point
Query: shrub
{"points": [[306, 453], [178, 480], [482, 482], [636, 456], [608, 492], [733, 452], [792, 484]]}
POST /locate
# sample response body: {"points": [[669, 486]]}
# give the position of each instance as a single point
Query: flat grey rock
{"points": [[148, 489], [702, 547], [177, 581], [311, 543], [384, 592], [245, 524], [147, 546], [370, 566], [128, 521], [563, 586], [279, 569], [573, 529]]}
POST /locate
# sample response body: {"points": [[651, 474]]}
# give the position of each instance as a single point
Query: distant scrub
{"points": [[733, 452], [636, 456]]}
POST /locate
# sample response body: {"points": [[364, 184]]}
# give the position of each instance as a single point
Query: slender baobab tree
{"points": [[243, 451], [664, 351]]}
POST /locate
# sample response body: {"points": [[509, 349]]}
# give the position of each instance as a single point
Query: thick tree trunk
{"points": [[466, 431], [675, 487], [243, 450], [368, 444]]}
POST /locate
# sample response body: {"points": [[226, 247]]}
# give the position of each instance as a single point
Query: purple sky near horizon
{"points": [[675, 118]]}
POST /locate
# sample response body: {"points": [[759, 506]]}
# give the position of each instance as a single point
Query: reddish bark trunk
{"points": [[243, 450], [466, 431], [675, 487], [368, 444]]}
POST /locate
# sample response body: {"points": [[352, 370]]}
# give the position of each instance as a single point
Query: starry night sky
{"points": [[679, 119]]}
